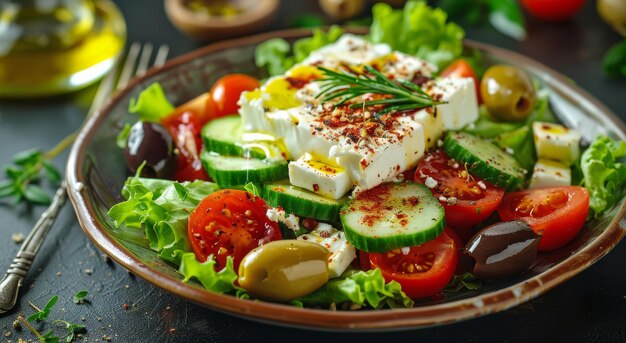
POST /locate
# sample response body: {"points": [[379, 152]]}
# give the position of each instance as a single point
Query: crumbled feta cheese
{"points": [[439, 143], [509, 151], [481, 184], [430, 182], [451, 201], [292, 222], [279, 215], [405, 250], [273, 214], [442, 198]]}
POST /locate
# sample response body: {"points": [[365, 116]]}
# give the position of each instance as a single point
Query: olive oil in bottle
{"points": [[50, 47]]}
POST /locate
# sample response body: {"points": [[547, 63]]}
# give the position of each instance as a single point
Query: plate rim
{"points": [[393, 319]]}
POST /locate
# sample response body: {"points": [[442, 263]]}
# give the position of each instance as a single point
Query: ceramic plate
{"points": [[96, 174]]}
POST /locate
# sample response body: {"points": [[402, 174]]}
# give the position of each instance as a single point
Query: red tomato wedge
{"points": [[553, 10], [425, 270], [185, 125], [461, 68], [558, 213], [467, 199], [227, 90], [230, 223]]}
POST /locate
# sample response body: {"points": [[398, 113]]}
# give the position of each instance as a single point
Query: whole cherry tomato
{"points": [[227, 90]]}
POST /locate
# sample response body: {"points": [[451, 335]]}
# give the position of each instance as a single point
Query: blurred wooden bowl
{"points": [[254, 16]]}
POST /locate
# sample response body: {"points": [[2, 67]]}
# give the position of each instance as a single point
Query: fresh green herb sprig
{"points": [[79, 297], [43, 314], [346, 85], [28, 169]]}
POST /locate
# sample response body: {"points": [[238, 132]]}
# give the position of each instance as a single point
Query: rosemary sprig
{"points": [[345, 85]]}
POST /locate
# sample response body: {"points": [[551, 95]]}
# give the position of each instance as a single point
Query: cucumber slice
{"points": [[302, 202], [485, 160], [392, 215], [223, 136], [229, 171]]}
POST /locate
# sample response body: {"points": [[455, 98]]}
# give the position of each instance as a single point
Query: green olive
{"points": [[342, 9], [508, 92], [614, 13], [284, 270]]}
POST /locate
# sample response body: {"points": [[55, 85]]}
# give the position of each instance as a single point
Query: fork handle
{"points": [[21, 263]]}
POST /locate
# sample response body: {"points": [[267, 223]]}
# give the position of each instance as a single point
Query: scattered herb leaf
{"points": [[79, 297], [465, 281], [45, 312], [251, 188]]}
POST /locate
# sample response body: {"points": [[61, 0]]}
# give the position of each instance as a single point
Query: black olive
{"points": [[503, 249], [150, 142]]}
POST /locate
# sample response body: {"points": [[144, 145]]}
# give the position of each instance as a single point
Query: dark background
{"points": [[591, 307]]}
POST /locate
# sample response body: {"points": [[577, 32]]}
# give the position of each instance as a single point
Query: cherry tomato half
{"points": [[553, 10], [461, 68], [227, 90], [230, 223], [425, 270], [185, 127], [558, 213], [475, 199]]}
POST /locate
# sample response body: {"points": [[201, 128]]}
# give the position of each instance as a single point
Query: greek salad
{"points": [[362, 171]]}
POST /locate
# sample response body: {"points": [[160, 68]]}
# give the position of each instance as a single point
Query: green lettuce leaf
{"points": [[161, 208], [419, 30], [151, 104], [603, 175], [274, 54], [219, 282], [365, 288], [304, 46]]}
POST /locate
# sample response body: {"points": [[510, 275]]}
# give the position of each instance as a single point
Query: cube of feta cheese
{"points": [[459, 93], [556, 142], [549, 173], [341, 251], [319, 177]]}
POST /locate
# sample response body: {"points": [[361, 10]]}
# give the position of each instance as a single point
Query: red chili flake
{"points": [[324, 234], [297, 82], [316, 187], [125, 307], [414, 201]]}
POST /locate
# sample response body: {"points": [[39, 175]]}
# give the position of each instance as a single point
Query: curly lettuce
{"points": [[419, 30], [603, 175], [363, 288], [161, 208], [274, 54], [219, 282]]}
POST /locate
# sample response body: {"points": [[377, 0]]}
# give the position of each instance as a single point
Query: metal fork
{"points": [[136, 63]]}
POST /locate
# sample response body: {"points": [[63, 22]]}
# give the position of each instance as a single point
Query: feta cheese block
{"points": [[342, 253], [319, 177], [459, 93], [556, 142], [371, 148], [548, 173]]}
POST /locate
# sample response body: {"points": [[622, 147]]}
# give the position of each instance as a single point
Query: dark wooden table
{"points": [[591, 307]]}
